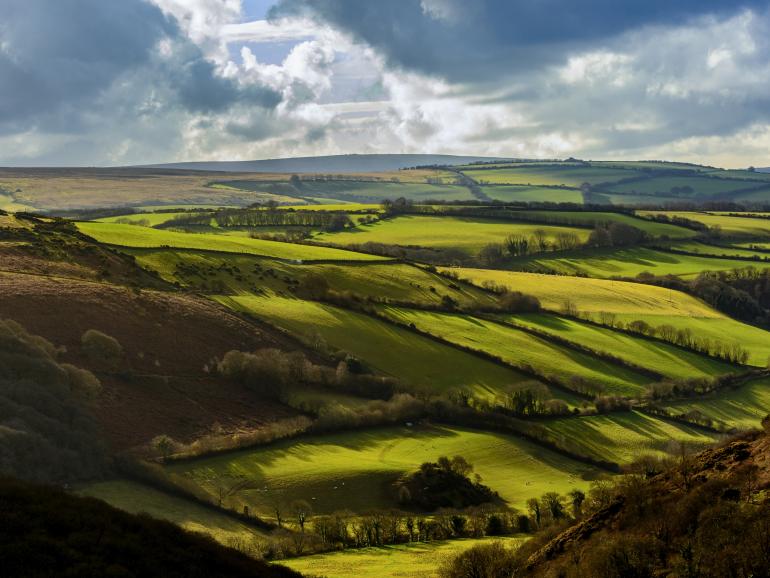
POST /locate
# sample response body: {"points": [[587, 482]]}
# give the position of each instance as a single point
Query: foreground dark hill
{"points": [[705, 515], [328, 164], [46, 532]]}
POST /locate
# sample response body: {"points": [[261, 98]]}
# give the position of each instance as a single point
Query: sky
{"points": [[120, 82]]}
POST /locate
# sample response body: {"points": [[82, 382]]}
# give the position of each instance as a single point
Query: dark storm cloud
{"points": [[480, 40], [58, 58]]}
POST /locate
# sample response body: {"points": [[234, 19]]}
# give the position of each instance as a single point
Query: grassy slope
{"points": [[135, 498], [622, 438], [591, 218], [375, 192], [631, 301], [152, 219], [133, 236], [353, 470], [525, 193], [522, 348], [630, 262], [744, 226], [701, 185], [392, 350], [742, 408], [415, 560], [443, 232], [666, 359], [569, 176]]}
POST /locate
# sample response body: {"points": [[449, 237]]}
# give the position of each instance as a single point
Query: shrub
{"points": [[484, 561], [101, 348]]}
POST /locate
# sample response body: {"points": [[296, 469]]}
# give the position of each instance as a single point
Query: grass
{"points": [[152, 219], [415, 560], [666, 359], [623, 438], [466, 234], [720, 251], [354, 470], [521, 348], [701, 185], [735, 226], [132, 236], [742, 408], [551, 175], [398, 352], [136, 498], [594, 295], [526, 193], [629, 262], [591, 218]]}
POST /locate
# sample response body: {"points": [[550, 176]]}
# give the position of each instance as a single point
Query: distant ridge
{"points": [[325, 164]]}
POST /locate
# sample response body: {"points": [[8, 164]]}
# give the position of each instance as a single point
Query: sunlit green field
{"points": [[132, 236], [720, 251], [145, 219], [590, 219], [550, 175], [520, 348], [742, 408], [394, 351], [415, 560], [135, 498], [743, 226], [701, 185], [594, 295], [630, 262], [625, 437], [466, 234], [666, 359], [354, 470], [526, 194]]}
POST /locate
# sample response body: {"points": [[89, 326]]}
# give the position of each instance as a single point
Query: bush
{"points": [[484, 561], [101, 348]]}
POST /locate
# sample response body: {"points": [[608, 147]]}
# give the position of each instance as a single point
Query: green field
{"points": [[468, 235], [736, 226], [629, 263], [528, 194], [135, 498], [623, 438], [594, 295], [742, 408], [132, 236], [353, 470], [414, 560], [700, 185], [394, 351], [550, 175], [146, 219], [520, 348], [666, 359], [591, 219], [720, 251]]}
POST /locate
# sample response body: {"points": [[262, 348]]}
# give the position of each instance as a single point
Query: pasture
{"points": [[628, 262], [137, 498], [144, 237], [528, 194], [591, 219], [732, 226], [354, 470], [465, 234], [419, 361], [666, 359], [571, 176], [692, 186], [520, 348], [413, 560], [626, 437]]}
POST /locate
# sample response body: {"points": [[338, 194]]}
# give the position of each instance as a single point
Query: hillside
{"points": [[704, 514], [356, 163], [47, 532]]}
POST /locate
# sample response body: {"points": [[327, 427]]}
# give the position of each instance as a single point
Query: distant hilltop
{"points": [[326, 164]]}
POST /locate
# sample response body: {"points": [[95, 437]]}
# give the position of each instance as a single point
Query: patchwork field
{"points": [[735, 226], [465, 234], [629, 262], [525, 194], [591, 219], [666, 359], [354, 470], [690, 186], [414, 560], [520, 348], [626, 437], [389, 349], [133, 236], [550, 175]]}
